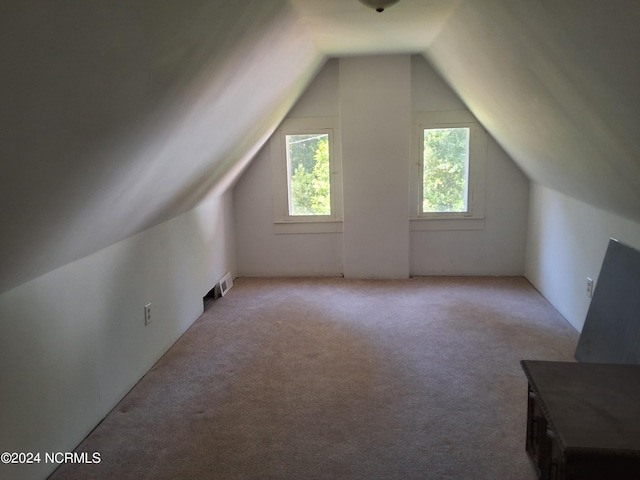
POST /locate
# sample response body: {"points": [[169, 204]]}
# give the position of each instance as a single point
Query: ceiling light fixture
{"points": [[379, 5]]}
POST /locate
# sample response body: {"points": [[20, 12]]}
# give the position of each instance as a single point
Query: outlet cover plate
{"points": [[589, 287], [147, 314]]}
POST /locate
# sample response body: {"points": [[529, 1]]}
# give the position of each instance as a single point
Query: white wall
{"points": [[262, 252], [375, 125], [566, 242], [73, 342], [496, 249]]}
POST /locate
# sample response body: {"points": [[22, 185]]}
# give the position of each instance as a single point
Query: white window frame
{"points": [[283, 221], [473, 218]]}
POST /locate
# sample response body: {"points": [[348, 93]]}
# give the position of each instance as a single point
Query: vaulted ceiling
{"points": [[117, 116]]}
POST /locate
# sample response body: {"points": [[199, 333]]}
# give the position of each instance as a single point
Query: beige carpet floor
{"points": [[339, 379]]}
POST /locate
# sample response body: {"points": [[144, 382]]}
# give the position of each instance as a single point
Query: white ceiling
{"points": [[556, 83], [347, 27], [117, 116]]}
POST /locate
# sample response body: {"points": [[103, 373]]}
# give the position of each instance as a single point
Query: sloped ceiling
{"points": [[557, 83], [117, 116]]}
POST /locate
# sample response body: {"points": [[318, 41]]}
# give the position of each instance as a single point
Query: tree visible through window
{"points": [[445, 170], [308, 174]]}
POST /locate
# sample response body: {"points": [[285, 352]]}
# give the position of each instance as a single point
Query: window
{"points": [[306, 175], [445, 170], [448, 178]]}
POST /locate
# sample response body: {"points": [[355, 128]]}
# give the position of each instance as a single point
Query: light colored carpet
{"points": [[339, 379]]}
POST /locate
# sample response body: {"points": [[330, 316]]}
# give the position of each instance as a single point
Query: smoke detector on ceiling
{"points": [[379, 5]]}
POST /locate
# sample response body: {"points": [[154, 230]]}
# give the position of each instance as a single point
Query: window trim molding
{"points": [[473, 219], [283, 221]]}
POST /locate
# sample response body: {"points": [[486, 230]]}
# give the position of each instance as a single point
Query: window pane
{"points": [[445, 170], [308, 174]]}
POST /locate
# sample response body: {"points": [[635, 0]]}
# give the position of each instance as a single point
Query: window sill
{"points": [[283, 228], [458, 223]]}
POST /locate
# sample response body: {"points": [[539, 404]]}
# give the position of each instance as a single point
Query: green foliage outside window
{"points": [[445, 170], [308, 157]]}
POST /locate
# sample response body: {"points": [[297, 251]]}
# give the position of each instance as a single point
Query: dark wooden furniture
{"points": [[583, 420]]}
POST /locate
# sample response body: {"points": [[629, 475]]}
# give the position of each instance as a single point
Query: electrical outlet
{"points": [[589, 287], [147, 314]]}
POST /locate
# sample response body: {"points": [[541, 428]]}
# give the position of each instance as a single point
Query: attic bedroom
{"points": [[138, 168]]}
